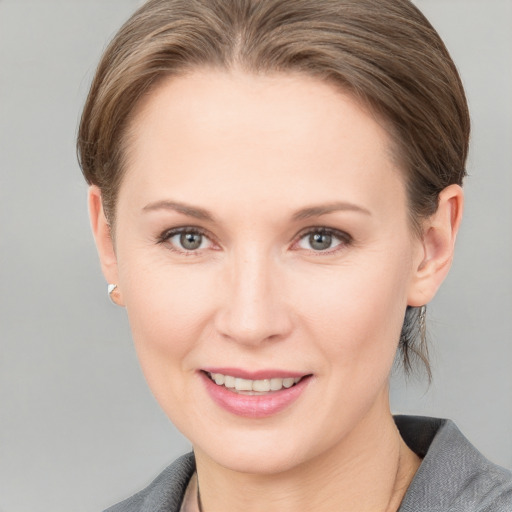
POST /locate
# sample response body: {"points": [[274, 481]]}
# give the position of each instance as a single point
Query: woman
{"points": [[275, 196]]}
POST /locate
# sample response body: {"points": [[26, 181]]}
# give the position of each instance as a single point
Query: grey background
{"points": [[78, 428]]}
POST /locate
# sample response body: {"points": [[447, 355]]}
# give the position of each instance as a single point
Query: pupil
{"points": [[320, 241], [190, 241]]}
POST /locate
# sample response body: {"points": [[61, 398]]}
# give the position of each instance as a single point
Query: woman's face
{"points": [[262, 234]]}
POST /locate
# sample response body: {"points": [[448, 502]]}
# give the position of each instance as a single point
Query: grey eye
{"points": [[320, 241], [186, 240], [191, 241]]}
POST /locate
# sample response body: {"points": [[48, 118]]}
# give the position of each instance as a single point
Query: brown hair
{"points": [[384, 52]]}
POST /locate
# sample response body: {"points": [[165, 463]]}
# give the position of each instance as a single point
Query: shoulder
{"points": [[165, 493], [454, 475]]}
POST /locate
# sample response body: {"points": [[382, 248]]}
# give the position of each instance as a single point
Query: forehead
{"points": [[281, 137]]}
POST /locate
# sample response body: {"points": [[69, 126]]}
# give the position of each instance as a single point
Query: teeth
{"points": [[229, 381], [261, 385], [243, 385], [289, 382], [276, 384], [247, 385]]}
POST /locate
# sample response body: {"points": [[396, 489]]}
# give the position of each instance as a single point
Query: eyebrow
{"points": [[316, 211], [302, 214], [190, 211]]}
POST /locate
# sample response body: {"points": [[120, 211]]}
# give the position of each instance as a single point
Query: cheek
{"points": [[160, 295], [169, 308], [355, 312]]}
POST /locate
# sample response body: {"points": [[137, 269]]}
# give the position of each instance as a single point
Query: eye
{"points": [[323, 240], [186, 239]]}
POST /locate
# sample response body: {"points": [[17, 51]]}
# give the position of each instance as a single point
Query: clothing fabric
{"points": [[453, 476]]}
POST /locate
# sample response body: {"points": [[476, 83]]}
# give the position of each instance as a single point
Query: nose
{"points": [[254, 307]]}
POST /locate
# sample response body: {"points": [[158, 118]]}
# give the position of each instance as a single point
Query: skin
{"points": [[252, 152]]}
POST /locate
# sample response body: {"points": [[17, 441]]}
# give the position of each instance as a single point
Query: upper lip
{"points": [[255, 374]]}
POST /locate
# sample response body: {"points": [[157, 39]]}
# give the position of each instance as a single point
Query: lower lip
{"points": [[254, 406]]}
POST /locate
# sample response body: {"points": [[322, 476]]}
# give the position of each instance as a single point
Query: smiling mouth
{"points": [[253, 387]]}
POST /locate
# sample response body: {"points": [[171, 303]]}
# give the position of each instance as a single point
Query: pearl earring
{"points": [[113, 293]]}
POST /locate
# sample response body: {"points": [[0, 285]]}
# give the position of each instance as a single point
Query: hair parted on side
{"points": [[383, 52]]}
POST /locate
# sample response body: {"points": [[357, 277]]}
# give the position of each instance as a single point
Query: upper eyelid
{"points": [[345, 240], [168, 233], [316, 229]]}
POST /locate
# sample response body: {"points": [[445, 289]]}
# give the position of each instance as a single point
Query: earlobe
{"points": [[104, 242], [437, 246]]}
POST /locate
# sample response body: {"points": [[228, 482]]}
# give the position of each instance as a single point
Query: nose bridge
{"points": [[253, 309]]}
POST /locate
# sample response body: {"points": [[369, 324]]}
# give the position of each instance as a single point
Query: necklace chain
{"points": [[399, 464], [198, 495]]}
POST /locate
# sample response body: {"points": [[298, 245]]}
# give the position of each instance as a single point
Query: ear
{"points": [[437, 245], [104, 242]]}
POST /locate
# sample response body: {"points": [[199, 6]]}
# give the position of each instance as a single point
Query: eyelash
{"points": [[343, 238], [166, 236]]}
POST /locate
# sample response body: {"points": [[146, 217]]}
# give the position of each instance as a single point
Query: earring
{"points": [[113, 294], [422, 318]]}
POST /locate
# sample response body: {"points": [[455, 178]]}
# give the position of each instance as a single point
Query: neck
{"points": [[369, 470]]}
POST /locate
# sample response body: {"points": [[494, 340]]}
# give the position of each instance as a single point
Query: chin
{"points": [[252, 450], [262, 461]]}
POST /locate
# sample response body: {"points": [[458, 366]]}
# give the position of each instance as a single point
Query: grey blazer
{"points": [[453, 476]]}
